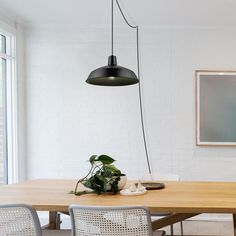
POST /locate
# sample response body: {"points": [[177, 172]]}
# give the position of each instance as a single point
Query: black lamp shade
{"points": [[112, 75]]}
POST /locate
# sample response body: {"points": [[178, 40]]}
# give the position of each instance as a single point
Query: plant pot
{"points": [[122, 182]]}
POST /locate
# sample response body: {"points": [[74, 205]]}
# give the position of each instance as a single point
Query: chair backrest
{"points": [[19, 220], [110, 221], [161, 177]]}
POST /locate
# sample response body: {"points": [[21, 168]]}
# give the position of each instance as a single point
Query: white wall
{"points": [[68, 120]]}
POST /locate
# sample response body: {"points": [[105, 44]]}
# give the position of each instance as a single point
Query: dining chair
{"points": [[111, 221], [22, 220], [164, 177]]}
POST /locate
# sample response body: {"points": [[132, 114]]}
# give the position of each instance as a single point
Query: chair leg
{"points": [[172, 230], [181, 228]]}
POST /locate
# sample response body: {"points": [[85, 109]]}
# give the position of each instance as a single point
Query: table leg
{"points": [[170, 220], [234, 223], [54, 220]]}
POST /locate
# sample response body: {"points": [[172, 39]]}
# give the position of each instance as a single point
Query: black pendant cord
{"points": [[139, 84], [112, 31]]}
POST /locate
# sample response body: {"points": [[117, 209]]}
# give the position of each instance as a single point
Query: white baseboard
{"points": [[212, 217]]}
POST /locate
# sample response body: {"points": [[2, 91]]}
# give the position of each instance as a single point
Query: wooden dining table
{"points": [[182, 199]]}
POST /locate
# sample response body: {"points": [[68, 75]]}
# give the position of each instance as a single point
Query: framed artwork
{"points": [[215, 108]]}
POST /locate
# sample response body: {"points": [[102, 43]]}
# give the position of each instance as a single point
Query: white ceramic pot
{"points": [[122, 182]]}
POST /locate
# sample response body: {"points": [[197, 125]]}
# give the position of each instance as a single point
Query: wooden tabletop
{"points": [[178, 197]]}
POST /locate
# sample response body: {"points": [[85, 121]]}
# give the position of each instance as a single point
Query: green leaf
{"points": [[114, 185], [89, 183], [107, 171], [105, 159], [112, 169], [100, 178], [92, 159]]}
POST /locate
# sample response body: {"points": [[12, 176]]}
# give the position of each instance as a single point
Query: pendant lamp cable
{"points": [[112, 22], [139, 77]]}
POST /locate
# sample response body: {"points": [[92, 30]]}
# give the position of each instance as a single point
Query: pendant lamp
{"points": [[112, 74]]}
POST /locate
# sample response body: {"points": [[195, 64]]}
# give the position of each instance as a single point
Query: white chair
{"points": [[164, 177], [22, 220], [111, 221]]}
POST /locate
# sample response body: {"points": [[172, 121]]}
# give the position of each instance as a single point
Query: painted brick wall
{"points": [[68, 120]]}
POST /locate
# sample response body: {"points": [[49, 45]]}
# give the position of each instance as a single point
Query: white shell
{"points": [[132, 188], [140, 186]]}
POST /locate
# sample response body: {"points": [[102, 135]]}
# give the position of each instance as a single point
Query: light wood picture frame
{"points": [[215, 108]]}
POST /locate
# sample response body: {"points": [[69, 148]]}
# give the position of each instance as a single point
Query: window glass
{"points": [[2, 44]]}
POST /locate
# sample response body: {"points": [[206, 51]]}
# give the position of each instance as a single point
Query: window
{"points": [[7, 107]]}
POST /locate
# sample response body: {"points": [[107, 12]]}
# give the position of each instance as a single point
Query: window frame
{"points": [[11, 105]]}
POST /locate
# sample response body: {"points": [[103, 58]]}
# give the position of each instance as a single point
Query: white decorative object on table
{"points": [[134, 190], [140, 187]]}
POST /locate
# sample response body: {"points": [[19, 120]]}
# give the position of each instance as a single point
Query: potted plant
{"points": [[102, 177]]}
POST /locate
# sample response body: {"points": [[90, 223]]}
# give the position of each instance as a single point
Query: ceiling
{"points": [[217, 13]]}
